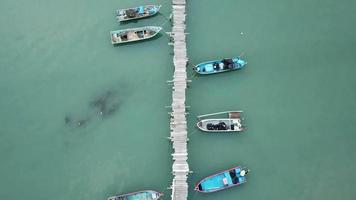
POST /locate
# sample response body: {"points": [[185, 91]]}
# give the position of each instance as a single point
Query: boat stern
{"points": [[114, 37], [246, 171], [120, 15]]}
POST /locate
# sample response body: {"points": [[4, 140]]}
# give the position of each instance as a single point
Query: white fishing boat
{"points": [[211, 123], [134, 34]]}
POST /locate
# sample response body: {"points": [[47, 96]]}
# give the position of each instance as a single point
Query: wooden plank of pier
{"points": [[180, 167]]}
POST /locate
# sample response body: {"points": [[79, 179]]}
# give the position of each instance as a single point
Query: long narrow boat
{"points": [[134, 34], [233, 123], [137, 12], [218, 66], [140, 195], [222, 180]]}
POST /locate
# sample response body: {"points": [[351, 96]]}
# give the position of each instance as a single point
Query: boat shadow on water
{"points": [[131, 21]]}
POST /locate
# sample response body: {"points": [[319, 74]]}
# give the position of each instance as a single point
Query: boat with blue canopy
{"points": [[218, 66], [139, 12], [140, 195], [223, 180]]}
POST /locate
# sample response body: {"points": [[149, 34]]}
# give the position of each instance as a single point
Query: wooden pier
{"points": [[178, 124]]}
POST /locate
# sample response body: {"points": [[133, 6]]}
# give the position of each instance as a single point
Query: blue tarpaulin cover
{"points": [[141, 10]]}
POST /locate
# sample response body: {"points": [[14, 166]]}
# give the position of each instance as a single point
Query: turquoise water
{"points": [[297, 91]]}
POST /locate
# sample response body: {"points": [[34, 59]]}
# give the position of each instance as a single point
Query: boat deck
{"points": [[229, 124], [216, 182], [132, 36], [222, 180], [145, 195]]}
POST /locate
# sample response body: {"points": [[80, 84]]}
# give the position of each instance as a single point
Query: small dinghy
{"points": [[137, 12], [233, 123], [134, 34], [217, 66], [140, 195], [222, 180]]}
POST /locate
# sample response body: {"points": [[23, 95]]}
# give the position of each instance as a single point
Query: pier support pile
{"points": [[180, 168]]}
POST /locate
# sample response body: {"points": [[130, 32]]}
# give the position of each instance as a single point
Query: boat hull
{"points": [[134, 34], [222, 180], [136, 13], [144, 194], [219, 66], [220, 125]]}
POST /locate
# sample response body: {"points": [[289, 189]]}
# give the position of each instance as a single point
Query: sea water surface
{"points": [[58, 70]]}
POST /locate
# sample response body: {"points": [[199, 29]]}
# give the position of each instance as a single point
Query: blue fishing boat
{"points": [[222, 180], [136, 12], [140, 195], [218, 66]]}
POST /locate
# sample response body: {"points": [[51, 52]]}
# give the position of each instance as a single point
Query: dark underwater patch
{"points": [[102, 106]]}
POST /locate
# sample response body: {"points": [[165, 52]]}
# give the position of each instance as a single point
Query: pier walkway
{"points": [[178, 124]]}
